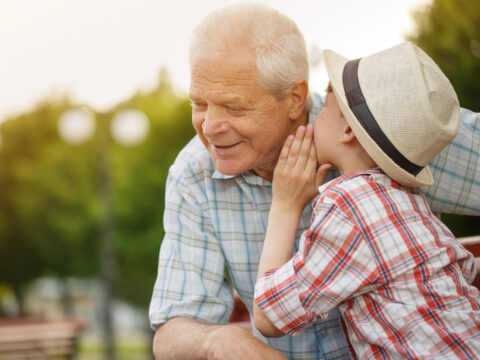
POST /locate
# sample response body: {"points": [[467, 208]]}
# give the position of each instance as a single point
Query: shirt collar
{"points": [[317, 106], [218, 175], [350, 175], [250, 177]]}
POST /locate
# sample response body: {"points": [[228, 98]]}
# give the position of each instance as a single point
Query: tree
{"points": [[139, 180], [50, 211], [449, 31], [45, 202]]}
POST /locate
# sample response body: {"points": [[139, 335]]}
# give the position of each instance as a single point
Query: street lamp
{"points": [[76, 125], [127, 128]]}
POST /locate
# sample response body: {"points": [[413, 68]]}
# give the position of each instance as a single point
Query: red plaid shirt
{"points": [[398, 275]]}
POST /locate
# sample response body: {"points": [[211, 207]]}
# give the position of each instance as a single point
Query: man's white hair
{"points": [[280, 51]]}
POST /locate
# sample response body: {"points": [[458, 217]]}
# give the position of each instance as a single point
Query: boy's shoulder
{"points": [[370, 194], [358, 186]]}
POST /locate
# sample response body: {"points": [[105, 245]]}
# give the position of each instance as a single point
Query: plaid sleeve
{"points": [[333, 262], [276, 293], [456, 171], [190, 279]]}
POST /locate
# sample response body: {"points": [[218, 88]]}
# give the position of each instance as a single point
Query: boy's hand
{"points": [[296, 178]]}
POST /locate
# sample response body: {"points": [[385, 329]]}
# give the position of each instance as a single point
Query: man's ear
{"points": [[348, 135], [298, 96]]}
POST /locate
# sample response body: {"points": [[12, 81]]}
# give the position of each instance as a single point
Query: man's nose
{"points": [[214, 123]]}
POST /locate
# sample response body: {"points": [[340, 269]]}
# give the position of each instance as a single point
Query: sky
{"points": [[101, 52]]}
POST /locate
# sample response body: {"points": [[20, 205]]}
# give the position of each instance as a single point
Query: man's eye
{"points": [[235, 109], [198, 107]]}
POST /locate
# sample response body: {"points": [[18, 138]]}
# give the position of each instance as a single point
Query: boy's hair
{"points": [[329, 88]]}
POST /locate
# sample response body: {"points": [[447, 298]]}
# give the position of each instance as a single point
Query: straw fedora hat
{"points": [[401, 107]]}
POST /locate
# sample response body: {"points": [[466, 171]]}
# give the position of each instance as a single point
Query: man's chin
{"points": [[229, 167]]}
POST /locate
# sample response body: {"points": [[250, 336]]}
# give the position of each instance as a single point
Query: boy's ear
{"points": [[348, 135], [298, 97]]}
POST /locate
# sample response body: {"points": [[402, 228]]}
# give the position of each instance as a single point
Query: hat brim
{"points": [[334, 64]]}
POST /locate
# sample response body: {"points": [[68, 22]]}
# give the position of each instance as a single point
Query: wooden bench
{"points": [[472, 244], [240, 315], [38, 339]]}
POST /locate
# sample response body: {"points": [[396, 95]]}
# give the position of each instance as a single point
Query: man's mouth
{"points": [[224, 148]]}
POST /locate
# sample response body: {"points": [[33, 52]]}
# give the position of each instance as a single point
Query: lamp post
{"points": [[127, 128]]}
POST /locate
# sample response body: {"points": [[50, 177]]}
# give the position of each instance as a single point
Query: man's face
{"points": [[241, 125]]}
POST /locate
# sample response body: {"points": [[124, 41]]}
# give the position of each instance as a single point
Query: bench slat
{"points": [[34, 339]]}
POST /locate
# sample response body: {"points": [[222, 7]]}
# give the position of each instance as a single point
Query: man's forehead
{"points": [[223, 91], [235, 74]]}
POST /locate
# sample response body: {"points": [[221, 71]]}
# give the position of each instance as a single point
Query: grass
{"points": [[131, 348]]}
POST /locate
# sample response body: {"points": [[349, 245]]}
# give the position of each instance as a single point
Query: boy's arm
{"points": [[295, 183], [277, 250]]}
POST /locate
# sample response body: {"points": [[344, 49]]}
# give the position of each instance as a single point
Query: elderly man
{"points": [[249, 91]]}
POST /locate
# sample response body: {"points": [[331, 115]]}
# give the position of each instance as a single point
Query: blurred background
{"points": [[94, 109]]}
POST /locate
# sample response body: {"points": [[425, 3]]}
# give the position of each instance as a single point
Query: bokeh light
{"points": [[76, 126], [129, 127]]}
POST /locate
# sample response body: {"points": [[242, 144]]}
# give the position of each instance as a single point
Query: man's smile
{"points": [[223, 149]]}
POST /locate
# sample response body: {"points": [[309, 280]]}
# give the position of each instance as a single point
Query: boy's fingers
{"points": [[305, 147], [284, 153], [311, 165], [295, 148]]}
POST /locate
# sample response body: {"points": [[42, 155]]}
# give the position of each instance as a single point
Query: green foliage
{"points": [[449, 31], [139, 179], [49, 195], [44, 200]]}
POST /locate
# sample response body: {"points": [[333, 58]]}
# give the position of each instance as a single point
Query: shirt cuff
{"points": [[276, 293]]}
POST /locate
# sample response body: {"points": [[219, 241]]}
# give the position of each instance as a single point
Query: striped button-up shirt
{"points": [[215, 224], [397, 274]]}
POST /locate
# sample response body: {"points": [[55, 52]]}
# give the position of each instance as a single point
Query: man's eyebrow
{"points": [[228, 99], [192, 96], [224, 100]]}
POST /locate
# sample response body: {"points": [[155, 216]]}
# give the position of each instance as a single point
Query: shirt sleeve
{"points": [[332, 264], [456, 171], [190, 280]]}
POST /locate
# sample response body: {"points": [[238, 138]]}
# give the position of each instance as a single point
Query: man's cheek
{"points": [[197, 125]]}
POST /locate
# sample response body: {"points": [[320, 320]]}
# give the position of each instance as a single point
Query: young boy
{"points": [[400, 279]]}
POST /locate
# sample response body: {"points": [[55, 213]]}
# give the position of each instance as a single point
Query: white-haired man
{"points": [[249, 91]]}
